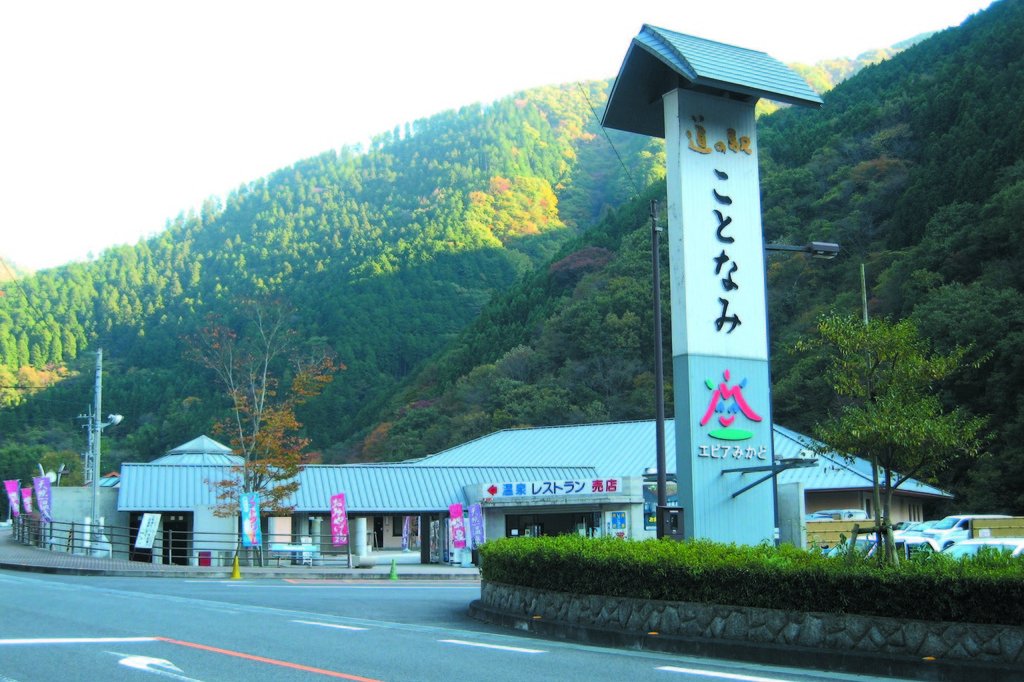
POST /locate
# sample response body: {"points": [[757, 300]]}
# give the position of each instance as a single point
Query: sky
{"points": [[117, 116]]}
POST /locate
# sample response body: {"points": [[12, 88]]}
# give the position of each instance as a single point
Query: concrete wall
{"points": [[73, 505], [873, 636]]}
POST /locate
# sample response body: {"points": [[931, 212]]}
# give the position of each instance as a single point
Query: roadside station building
{"points": [[590, 479]]}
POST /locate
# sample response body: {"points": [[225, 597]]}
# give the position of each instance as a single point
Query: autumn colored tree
{"points": [[251, 364]]}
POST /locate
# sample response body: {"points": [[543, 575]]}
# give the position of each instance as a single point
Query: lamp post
{"points": [[659, 389], [824, 251], [96, 429]]}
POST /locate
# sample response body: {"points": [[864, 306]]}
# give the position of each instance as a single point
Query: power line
{"points": [[604, 131], [17, 284]]}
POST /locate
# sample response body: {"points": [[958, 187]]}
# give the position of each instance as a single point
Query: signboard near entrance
{"points": [[596, 486], [147, 531]]}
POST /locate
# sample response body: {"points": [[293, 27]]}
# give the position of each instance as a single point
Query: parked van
{"points": [[955, 528]]}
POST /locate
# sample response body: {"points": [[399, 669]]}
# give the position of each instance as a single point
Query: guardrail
{"points": [[181, 547]]}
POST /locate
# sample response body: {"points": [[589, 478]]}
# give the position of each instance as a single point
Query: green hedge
{"points": [[982, 590]]}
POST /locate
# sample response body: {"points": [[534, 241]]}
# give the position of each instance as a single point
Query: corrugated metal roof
{"points": [[395, 488], [387, 488], [430, 484], [628, 449], [202, 444], [659, 61], [613, 449], [168, 487], [201, 450]]}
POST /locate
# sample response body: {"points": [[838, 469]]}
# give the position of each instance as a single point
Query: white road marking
{"points": [[329, 625], [77, 640], [720, 676], [158, 666], [493, 646]]}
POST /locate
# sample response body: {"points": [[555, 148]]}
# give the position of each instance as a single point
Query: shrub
{"points": [[985, 590]]}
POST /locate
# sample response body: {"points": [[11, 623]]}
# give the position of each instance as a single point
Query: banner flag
{"points": [[43, 498], [12, 495], [339, 520], [249, 504], [476, 525], [406, 523], [26, 499], [458, 526]]}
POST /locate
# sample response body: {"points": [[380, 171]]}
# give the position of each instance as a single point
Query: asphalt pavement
{"points": [[387, 566]]}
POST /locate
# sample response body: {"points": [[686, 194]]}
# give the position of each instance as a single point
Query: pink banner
{"points": [[42, 486], [458, 526], [12, 495], [26, 499], [339, 520]]}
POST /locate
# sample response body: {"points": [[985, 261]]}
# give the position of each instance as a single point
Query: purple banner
{"points": [[26, 499], [458, 526], [339, 520], [476, 525], [249, 507], [12, 495], [43, 499]]}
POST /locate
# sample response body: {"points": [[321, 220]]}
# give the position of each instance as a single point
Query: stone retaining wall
{"points": [[869, 635]]}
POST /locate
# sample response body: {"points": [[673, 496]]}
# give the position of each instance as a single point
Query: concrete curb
{"points": [[250, 573], [790, 656], [17, 557]]}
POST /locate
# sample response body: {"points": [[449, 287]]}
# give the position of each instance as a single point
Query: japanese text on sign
{"points": [[569, 487]]}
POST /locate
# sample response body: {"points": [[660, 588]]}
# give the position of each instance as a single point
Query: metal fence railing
{"points": [[181, 547]]}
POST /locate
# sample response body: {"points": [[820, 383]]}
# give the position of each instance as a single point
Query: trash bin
{"points": [[204, 558]]}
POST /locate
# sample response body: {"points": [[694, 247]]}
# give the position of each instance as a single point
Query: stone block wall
{"points": [[870, 635]]}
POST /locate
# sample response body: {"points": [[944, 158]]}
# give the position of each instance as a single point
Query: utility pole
{"points": [[95, 435], [95, 429]]}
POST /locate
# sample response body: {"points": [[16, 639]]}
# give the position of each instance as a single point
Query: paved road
{"points": [[71, 628]]}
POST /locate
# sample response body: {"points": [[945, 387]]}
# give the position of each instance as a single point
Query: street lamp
{"points": [[659, 389], [825, 251]]}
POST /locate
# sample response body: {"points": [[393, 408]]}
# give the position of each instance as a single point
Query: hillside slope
{"points": [[913, 165]]}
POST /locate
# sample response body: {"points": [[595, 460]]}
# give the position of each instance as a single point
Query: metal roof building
{"points": [[628, 449], [369, 489], [187, 476]]}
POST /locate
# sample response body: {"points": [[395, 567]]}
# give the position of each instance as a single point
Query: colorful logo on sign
{"points": [[727, 403]]}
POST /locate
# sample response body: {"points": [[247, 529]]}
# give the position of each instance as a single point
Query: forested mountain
{"points": [[915, 165], [490, 267], [385, 252]]}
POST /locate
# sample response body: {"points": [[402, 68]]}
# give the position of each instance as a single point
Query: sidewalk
{"points": [[18, 557]]}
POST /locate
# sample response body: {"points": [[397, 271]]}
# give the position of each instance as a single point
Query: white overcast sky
{"points": [[116, 116]]}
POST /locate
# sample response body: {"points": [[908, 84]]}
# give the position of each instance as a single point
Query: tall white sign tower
{"points": [[699, 96]]}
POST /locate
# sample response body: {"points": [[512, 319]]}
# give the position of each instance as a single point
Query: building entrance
{"points": [[561, 523]]}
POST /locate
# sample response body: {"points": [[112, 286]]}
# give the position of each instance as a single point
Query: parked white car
{"points": [[955, 528], [972, 546]]}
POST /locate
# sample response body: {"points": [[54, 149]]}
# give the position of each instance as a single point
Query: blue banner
{"points": [[249, 509]]}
